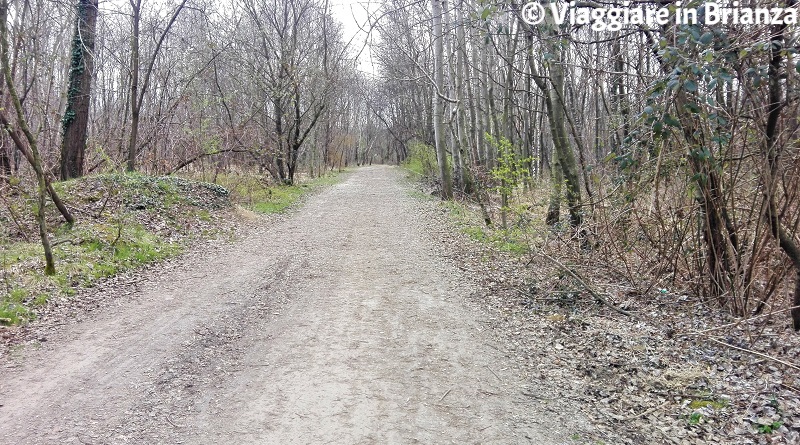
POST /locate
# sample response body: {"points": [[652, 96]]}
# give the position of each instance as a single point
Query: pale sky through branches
{"points": [[353, 14]]}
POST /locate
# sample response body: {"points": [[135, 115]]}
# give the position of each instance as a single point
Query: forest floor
{"points": [[660, 366], [367, 315]]}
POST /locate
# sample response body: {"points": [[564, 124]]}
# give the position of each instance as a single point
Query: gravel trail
{"points": [[337, 324]]}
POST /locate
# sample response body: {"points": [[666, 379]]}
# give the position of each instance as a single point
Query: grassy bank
{"points": [[523, 223], [124, 221], [254, 193]]}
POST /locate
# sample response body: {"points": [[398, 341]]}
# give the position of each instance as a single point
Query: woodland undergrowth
{"points": [[618, 303]]}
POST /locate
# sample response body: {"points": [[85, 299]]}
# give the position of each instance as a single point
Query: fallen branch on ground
{"points": [[74, 242], [738, 322], [756, 353], [600, 298]]}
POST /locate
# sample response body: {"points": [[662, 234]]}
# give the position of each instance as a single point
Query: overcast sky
{"points": [[353, 13]]}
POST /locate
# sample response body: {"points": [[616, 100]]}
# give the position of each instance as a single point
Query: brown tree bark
{"points": [[76, 117], [770, 176], [719, 235], [5, 158], [554, 205]]}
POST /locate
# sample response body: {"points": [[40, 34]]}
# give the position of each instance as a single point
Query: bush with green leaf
{"points": [[511, 171], [421, 159]]}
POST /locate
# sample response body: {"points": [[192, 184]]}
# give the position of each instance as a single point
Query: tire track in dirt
{"points": [[338, 324]]}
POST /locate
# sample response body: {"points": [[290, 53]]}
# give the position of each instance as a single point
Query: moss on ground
{"points": [[514, 240], [124, 221]]}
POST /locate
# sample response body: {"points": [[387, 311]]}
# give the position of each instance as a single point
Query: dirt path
{"points": [[338, 324]]}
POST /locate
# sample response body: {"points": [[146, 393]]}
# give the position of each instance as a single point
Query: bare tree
{"points": [[35, 158], [138, 91]]}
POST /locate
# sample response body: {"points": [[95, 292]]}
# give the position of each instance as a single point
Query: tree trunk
{"points": [[137, 91], [488, 101], [5, 157], [619, 94], [770, 177], [134, 91], [294, 145], [556, 115], [564, 152], [456, 142], [719, 236], [475, 107], [508, 113], [279, 139], [492, 121], [76, 117], [438, 103], [554, 207], [796, 299], [466, 90]]}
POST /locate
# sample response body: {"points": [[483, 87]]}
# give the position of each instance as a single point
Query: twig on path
{"points": [[445, 394], [490, 370], [450, 406], [789, 387], [173, 423], [530, 394], [53, 325], [588, 288], [493, 347]]}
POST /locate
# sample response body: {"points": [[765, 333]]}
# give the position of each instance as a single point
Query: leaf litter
{"points": [[680, 372]]}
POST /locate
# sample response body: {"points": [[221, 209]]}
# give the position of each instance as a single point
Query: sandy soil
{"points": [[339, 323]]}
